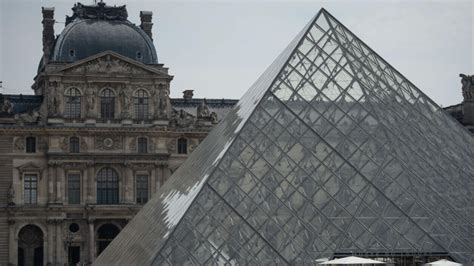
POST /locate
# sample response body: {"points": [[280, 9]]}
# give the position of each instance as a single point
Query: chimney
{"points": [[48, 31], [188, 94], [146, 24]]}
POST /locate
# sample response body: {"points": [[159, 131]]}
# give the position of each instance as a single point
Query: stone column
{"points": [[12, 244], [59, 242], [153, 179], [61, 182], [84, 187], [51, 183], [51, 249], [130, 188], [91, 190], [91, 240]]}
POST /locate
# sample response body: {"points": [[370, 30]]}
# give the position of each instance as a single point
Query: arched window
{"points": [[182, 146], [107, 104], [74, 145], [73, 103], [105, 235], [30, 245], [107, 186], [142, 145], [141, 104]]}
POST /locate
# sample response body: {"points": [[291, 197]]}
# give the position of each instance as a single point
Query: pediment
{"points": [[29, 167], [110, 63]]}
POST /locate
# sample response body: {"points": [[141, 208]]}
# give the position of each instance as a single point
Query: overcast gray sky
{"points": [[219, 48]]}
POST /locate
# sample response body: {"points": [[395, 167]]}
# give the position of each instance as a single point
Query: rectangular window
{"points": [[142, 189], [31, 144], [142, 145], [182, 146], [107, 107], [31, 189], [74, 188]]}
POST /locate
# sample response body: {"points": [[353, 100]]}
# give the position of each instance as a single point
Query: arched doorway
{"points": [[30, 246], [105, 235]]}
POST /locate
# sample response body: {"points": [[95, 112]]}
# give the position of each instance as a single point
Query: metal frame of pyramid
{"points": [[330, 151]]}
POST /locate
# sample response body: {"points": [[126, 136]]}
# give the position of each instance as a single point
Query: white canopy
{"points": [[444, 262], [352, 260]]}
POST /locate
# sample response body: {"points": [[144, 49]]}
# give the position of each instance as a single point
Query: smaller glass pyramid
{"points": [[331, 151]]}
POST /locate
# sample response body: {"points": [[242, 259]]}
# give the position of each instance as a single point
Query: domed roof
{"points": [[95, 29]]}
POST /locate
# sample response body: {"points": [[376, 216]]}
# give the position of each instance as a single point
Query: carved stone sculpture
{"points": [[126, 98], [19, 143], [53, 101], [182, 119], [28, 117], [11, 196], [90, 102], [6, 107], [162, 103], [203, 110], [214, 119], [467, 82]]}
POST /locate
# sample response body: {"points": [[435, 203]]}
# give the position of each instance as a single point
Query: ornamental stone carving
{"points": [[182, 119], [126, 99], [19, 143], [6, 107], [54, 101], [161, 102], [108, 143], [202, 111], [29, 117], [107, 65], [133, 144], [91, 96], [64, 144], [171, 144]]}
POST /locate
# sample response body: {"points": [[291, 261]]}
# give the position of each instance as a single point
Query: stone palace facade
{"points": [[100, 135]]}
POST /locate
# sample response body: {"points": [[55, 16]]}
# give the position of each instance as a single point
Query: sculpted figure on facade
{"points": [[203, 110], [467, 82], [11, 196], [7, 106], [53, 100], [90, 102], [214, 119], [19, 143], [31, 116], [162, 103], [126, 98]]}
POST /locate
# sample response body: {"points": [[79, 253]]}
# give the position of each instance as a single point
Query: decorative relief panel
{"points": [[107, 65], [108, 143], [171, 144], [19, 143], [133, 144]]}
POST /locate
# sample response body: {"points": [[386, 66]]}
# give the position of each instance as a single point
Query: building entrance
{"points": [[30, 246]]}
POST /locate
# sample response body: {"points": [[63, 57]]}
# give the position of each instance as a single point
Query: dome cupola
{"points": [[98, 28]]}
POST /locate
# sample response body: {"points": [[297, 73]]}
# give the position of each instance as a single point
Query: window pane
{"points": [[30, 187], [74, 145], [141, 105], [30, 144], [142, 189], [142, 145], [73, 103], [107, 186], [74, 188], [107, 104], [182, 146]]}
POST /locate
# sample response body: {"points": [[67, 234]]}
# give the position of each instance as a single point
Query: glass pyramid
{"points": [[331, 151]]}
